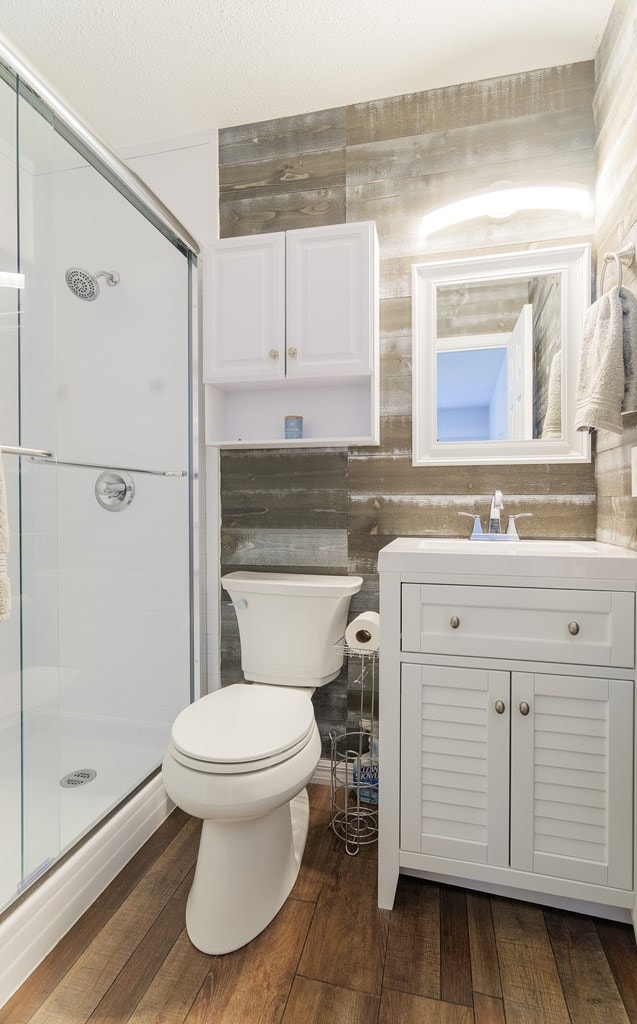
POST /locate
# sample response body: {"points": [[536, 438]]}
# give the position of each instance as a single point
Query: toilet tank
{"points": [[289, 623]]}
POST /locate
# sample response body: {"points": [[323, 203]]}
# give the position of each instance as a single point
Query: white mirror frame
{"points": [[573, 263]]}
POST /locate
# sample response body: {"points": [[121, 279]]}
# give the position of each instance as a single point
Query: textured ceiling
{"points": [[143, 70]]}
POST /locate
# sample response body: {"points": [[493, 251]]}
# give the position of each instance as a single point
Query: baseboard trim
{"points": [[323, 773], [43, 917]]}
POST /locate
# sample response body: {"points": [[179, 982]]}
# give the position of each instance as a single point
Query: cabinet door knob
{"points": [[274, 353], [573, 628], [500, 707], [292, 351], [454, 621], [524, 708]]}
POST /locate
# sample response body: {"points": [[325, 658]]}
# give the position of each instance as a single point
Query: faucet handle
{"points": [[512, 530], [477, 525]]}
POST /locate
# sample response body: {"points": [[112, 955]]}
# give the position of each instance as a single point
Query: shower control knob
{"points": [[274, 353]]}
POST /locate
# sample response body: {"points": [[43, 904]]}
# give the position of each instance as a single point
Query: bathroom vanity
{"points": [[507, 719]]}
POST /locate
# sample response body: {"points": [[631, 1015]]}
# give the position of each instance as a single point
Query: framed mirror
{"points": [[496, 343]]}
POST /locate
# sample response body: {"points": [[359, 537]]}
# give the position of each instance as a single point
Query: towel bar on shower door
{"points": [[46, 457]]}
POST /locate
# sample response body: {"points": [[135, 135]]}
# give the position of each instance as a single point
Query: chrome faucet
{"points": [[494, 530], [495, 526]]}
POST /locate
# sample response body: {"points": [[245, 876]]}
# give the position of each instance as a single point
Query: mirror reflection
{"points": [[499, 359]]}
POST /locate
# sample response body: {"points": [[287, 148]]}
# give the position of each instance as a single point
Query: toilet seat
{"points": [[243, 728]]}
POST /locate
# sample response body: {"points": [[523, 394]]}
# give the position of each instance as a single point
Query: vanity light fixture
{"points": [[504, 202]]}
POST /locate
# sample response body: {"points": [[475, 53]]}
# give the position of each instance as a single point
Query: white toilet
{"points": [[240, 757]]}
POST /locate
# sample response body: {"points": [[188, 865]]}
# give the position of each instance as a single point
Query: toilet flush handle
{"points": [[240, 603]]}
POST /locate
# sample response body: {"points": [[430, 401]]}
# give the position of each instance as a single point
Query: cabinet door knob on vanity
{"points": [[573, 628], [454, 621], [292, 351], [524, 708], [500, 707], [274, 353]]}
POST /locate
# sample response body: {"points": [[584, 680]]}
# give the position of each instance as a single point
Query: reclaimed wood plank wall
{"points": [[390, 161], [615, 107]]}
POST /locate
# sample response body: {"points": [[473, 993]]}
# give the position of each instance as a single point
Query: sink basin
{"points": [[548, 558]]}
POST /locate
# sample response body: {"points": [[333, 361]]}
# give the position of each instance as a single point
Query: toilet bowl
{"points": [[241, 757]]}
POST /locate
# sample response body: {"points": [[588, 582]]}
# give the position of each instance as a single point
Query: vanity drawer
{"points": [[585, 627]]}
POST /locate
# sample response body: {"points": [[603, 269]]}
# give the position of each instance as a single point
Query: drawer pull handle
{"points": [[500, 707], [454, 621], [274, 353], [573, 628], [524, 708]]}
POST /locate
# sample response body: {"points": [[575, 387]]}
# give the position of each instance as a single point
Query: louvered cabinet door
{"points": [[455, 763], [572, 777]]}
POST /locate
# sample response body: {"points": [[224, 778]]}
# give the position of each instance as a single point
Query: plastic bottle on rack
{"points": [[366, 773]]}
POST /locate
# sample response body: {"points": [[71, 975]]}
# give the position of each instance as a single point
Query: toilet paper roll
{"points": [[363, 632]]}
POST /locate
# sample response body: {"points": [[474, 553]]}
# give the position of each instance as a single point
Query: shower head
{"points": [[85, 286]]}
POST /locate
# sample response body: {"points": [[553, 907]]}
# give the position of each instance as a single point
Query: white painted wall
{"points": [[183, 173]]}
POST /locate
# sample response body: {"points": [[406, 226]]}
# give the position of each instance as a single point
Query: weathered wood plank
{"points": [[455, 955], [172, 992], [530, 981], [282, 137], [281, 212], [618, 941], [252, 984], [487, 1009], [485, 972], [550, 89], [321, 852], [284, 547], [456, 147], [299, 173], [413, 946], [411, 1009], [587, 980], [312, 1002], [348, 935]]}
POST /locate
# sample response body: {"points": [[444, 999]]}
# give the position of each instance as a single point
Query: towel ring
{"points": [[626, 255]]}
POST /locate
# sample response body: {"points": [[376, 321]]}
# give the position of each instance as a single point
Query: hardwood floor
{"points": [[442, 956]]}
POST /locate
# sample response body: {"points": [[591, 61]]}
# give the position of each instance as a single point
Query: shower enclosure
{"points": [[97, 656]]}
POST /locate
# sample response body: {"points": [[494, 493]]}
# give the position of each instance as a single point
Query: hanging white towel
{"points": [[553, 419], [5, 589], [607, 382]]}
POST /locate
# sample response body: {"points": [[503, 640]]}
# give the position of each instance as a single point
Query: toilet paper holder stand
{"points": [[354, 759]]}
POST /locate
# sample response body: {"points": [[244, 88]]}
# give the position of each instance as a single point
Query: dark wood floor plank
{"points": [[487, 1009], [252, 985], [587, 980], [405, 1008], [90, 977], [48, 975], [530, 981], [122, 997], [174, 988], [313, 1002], [618, 942], [412, 963], [348, 938], [321, 849], [455, 956], [485, 970]]}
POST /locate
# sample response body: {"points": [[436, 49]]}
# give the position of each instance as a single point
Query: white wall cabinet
{"points": [[294, 330], [507, 734]]}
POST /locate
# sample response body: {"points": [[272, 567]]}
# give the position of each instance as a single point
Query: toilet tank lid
{"points": [[285, 583]]}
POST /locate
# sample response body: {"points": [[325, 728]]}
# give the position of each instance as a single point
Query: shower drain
{"points": [[78, 778]]}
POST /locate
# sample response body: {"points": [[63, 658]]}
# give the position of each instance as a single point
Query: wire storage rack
{"points": [[354, 762]]}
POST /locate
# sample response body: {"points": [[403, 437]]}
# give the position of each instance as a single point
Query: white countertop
{"points": [[546, 558]]}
